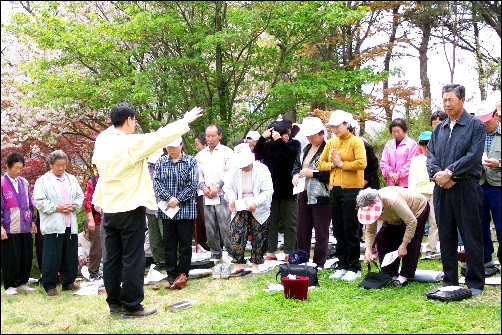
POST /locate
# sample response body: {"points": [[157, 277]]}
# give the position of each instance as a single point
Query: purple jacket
{"points": [[398, 160], [17, 209]]}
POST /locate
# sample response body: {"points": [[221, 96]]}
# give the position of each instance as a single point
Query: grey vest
{"points": [[492, 175]]}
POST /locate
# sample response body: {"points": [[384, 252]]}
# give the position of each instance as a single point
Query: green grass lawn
{"points": [[239, 305]]}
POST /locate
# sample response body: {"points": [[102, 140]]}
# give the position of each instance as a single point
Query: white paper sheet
{"points": [[241, 204], [213, 201], [169, 211], [389, 258], [300, 187]]}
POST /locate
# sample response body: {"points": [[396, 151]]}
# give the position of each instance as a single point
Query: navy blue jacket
{"points": [[460, 150]]}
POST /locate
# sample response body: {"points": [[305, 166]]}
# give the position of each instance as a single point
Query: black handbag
{"points": [[375, 279], [298, 270]]}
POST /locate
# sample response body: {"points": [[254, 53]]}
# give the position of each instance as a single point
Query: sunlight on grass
{"points": [[239, 305]]}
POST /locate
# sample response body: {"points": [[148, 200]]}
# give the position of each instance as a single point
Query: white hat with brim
{"points": [[338, 117], [175, 143], [370, 213], [253, 135], [243, 156], [311, 126], [484, 111]]}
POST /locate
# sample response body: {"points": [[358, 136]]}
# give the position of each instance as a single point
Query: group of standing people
{"points": [[251, 191]]}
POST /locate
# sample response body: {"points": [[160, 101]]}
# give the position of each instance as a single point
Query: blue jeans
{"points": [[490, 204], [125, 258]]}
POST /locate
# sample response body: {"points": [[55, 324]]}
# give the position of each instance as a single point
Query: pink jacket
{"points": [[398, 160]]}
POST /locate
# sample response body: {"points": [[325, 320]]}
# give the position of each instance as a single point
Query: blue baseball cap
{"points": [[425, 136]]}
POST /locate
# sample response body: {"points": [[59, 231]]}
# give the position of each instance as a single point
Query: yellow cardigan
{"points": [[353, 154]]}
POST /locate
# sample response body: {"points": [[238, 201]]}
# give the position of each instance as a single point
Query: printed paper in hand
{"points": [[213, 201], [241, 205], [389, 258], [169, 211], [300, 187], [484, 157]]}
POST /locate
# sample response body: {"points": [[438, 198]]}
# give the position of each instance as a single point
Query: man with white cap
{"points": [[248, 189], [404, 214], [313, 200], [490, 179], [344, 156], [175, 181], [454, 157]]}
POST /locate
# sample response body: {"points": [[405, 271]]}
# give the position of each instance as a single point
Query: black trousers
{"points": [[59, 249], [460, 207], [345, 227], [125, 258], [390, 237], [17, 256], [177, 246]]}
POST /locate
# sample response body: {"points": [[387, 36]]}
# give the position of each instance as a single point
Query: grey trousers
{"points": [[217, 223], [155, 234], [283, 210]]}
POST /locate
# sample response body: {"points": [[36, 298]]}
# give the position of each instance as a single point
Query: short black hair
{"points": [[279, 126], [438, 114], [120, 112], [423, 142], [398, 122], [458, 89], [202, 138], [13, 158]]}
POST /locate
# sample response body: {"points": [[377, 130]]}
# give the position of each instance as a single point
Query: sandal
{"points": [[396, 282]]}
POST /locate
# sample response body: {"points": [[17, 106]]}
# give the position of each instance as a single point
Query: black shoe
{"points": [[71, 287], [160, 266], [396, 282], [139, 312], [116, 310]]}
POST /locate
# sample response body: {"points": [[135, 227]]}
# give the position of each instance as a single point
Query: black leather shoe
{"points": [[396, 282]]}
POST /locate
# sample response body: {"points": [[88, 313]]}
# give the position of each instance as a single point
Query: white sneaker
{"points": [[351, 275], [338, 274], [11, 291], [25, 287], [217, 271], [226, 270]]}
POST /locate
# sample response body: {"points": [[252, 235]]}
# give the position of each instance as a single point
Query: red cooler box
{"points": [[296, 288]]}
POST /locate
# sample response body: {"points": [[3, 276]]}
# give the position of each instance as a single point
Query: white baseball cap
{"points": [[484, 110], [175, 143], [338, 117]]}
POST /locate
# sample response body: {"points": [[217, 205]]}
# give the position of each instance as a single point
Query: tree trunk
{"points": [[422, 56], [388, 54], [221, 83], [480, 69]]}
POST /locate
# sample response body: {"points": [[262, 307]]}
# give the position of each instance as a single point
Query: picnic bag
{"points": [[375, 279], [298, 270]]}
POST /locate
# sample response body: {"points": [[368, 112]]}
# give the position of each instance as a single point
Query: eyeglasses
{"points": [[249, 138]]}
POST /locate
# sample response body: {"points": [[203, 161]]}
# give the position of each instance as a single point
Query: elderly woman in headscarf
{"points": [[404, 214]]}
